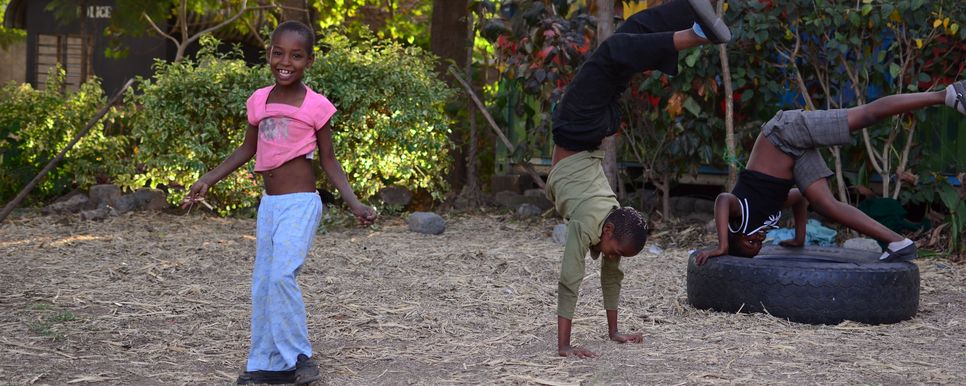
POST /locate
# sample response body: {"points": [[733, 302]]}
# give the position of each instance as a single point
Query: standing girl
{"points": [[287, 121]]}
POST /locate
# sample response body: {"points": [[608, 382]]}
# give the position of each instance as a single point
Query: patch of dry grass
{"points": [[164, 299]]}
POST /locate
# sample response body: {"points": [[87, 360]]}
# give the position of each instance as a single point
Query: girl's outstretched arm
{"points": [[333, 170], [239, 157]]}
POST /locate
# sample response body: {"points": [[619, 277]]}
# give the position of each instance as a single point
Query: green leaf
{"points": [[692, 106], [894, 70], [693, 57], [866, 9]]}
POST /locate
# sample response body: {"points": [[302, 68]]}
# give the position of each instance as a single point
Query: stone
{"points": [[535, 193], [508, 199], [527, 210], [703, 206], [395, 196], [513, 200], [150, 199], [73, 204], [103, 195], [682, 206], [710, 227], [426, 223], [126, 203], [96, 214], [507, 182], [699, 217], [560, 234], [862, 243]]}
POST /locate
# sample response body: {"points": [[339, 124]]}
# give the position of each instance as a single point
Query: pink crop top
{"points": [[285, 131]]}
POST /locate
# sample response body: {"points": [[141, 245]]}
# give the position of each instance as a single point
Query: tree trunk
{"points": [[729, 111], [296, 10], [447, 40], [605, 28], [471, 194]]}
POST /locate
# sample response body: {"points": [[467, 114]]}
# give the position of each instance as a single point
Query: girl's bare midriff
{"points": [[294, 176], [768, 159]]}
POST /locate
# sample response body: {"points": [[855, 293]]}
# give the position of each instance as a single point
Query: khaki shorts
{"points": [[800, 133]]}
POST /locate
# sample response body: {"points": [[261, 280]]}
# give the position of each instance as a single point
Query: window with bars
{"points": [[68, 51]]}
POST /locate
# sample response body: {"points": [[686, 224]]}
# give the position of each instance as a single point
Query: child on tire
{"points": [[586, 115], [287, 121], [786, 154]]}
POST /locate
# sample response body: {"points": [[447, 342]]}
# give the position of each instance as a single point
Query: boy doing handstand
{"points": [[586, 115], [786, 154]]}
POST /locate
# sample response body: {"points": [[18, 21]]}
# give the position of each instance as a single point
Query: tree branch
{"points": [[158, 29]]}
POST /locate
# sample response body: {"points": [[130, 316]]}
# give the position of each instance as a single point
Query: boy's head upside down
{"points": [[623, 234]]}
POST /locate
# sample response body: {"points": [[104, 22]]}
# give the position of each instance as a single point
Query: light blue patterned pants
{"points": [[286, 227]]}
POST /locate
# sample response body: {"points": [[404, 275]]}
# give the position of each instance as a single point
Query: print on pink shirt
{"points": [[273, 128]]}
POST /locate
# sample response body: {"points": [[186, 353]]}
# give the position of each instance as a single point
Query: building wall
{"points": [[13, 63], [113, 72]]}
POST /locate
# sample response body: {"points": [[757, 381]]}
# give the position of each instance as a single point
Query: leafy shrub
{"points": [[390, 128], [35, 125], [190, 117]]}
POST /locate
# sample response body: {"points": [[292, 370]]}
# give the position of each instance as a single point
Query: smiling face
{"points": [[288, 57], [747, 245]]}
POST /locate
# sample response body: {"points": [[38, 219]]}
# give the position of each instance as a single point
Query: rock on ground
{"points": [[560, 234], [527, 210], [395, 195], [426, 223], [103, 195], [73, 204]]}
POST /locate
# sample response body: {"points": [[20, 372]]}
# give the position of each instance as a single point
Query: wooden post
{"points": [[499, 133], [605, 28], [50, 165]]}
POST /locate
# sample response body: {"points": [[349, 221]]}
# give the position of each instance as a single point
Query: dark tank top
{"points": [[761, 198]]}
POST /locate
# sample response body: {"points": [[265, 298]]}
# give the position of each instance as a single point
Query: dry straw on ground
{"points": [[163, 299]]}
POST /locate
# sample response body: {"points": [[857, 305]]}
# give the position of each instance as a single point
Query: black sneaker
{"points": [[909, 252], [714, 28], [266, 377], [958, 93], [306, 370]]}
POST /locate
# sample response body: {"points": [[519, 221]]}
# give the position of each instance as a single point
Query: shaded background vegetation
{"points": [[399, 123]]}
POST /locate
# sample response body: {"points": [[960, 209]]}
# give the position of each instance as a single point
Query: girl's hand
{"points": [[365, 214], [792, 243], [703, 256], [195, 193]]}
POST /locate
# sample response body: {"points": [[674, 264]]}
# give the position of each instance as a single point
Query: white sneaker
{"points": [[956, 96]]}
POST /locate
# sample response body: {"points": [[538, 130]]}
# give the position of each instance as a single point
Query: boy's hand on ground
{"points": [[365, 214], [702, 256], [578, 352], [792, 243], [627, 338]]}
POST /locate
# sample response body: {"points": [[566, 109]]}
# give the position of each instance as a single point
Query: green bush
{"points": [[390, 128], [190, 117], [35, 125]]}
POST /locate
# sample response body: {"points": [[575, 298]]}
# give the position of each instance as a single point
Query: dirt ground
{"points": [[163, 299]]}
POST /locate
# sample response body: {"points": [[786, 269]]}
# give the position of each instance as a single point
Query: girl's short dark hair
{"points": [[298, 27], [630, 227]]}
